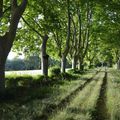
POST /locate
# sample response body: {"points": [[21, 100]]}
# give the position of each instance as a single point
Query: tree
{"points": [[40, 22], [66, 50], [6, 40]]}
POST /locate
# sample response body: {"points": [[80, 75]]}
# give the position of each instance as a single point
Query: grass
{"points": [[83, 104], [113, 95], [25, 80], [28, 103]]}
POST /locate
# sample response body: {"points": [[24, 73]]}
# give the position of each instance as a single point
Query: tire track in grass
{"points": [[100, 112], [50, 109], [80, 106]]}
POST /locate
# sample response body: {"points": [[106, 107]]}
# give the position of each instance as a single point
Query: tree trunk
{"points": [[2, 72], [91, 62], [4, 50], [67, 47], [44, 57], [74, 62], [2, 78], [80, 65], [7, 40], [63, 64], [118, 64]]}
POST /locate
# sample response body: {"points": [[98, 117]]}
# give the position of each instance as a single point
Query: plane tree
{"points": [[8, 28], [40, 22]]}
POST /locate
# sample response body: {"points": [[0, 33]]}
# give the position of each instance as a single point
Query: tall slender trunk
{"points": [[74, 63], [80, 65], [44, 56], [118, 64], [63, 64], [74, 45], [66, 50]]}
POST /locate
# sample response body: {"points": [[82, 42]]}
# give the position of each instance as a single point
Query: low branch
{"points": [[31, 27], [7, 9]]}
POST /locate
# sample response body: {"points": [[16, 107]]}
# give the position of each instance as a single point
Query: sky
{"points": [[13, 55]]}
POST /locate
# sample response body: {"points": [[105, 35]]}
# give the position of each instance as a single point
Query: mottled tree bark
{"points": [[74, 63], [80, 65], [63, 64], [66, 50], [44, 56]]}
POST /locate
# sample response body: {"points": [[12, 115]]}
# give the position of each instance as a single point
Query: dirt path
{"points": [[100, 112]]}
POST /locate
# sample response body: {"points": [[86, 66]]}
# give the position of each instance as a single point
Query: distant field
{"points": [[28, 72]]}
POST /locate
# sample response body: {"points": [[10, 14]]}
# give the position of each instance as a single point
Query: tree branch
{"points": [[16, 13], [31, 27], [24, 2]]}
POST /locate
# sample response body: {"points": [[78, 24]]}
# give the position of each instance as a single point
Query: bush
{"points": [[54, 71], [72, 71], [68, 76], [13, 81], [37, 80]]}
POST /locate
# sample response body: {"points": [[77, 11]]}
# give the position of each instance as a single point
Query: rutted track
{"points": [[100, 112], [50, 109]]}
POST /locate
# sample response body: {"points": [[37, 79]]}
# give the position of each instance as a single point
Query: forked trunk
{"points": [[7, 40]]}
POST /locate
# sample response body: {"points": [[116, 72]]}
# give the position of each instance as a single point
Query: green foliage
{"points": [[68, 76], [29, 63], [54, 71], [72, 71], [13, 81]]}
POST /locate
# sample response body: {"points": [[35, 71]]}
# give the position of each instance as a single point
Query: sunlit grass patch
{"points": [[82, 105], [29, 103], [113, 95]]}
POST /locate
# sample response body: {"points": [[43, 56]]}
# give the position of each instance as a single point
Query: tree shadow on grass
{"points": [[22, 95]]}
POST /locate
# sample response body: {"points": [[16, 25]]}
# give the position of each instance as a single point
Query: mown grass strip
{"points": [[80, 107], [54, 108], [29, 104], [100, 112], [113, 94]]}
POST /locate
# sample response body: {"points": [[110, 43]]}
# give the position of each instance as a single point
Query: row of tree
{"points": [[79, 30]]}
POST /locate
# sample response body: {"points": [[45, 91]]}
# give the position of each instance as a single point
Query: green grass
{"points": [[27, 103], [24, 80], [83, 104], [113, 95]]}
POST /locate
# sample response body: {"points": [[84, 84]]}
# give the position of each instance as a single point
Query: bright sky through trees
{"points": [[13, 55]]}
